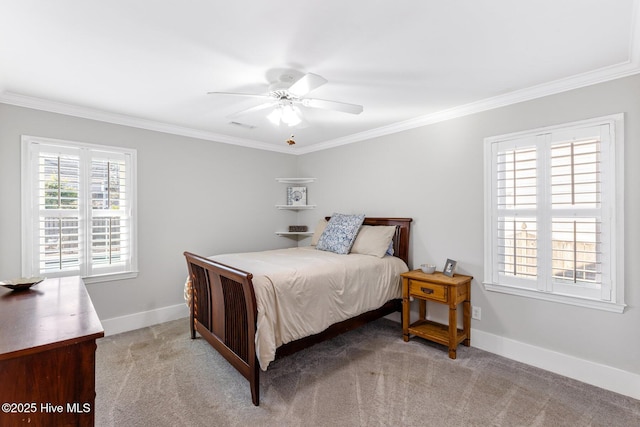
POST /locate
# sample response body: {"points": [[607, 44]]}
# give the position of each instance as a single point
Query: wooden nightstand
{"points": [[440, 289]]}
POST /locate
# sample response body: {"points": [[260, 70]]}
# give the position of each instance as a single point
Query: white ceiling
{"points": [[150, 64]]}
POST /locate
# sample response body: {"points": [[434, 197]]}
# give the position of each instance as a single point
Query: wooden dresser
{"points": [[47, 354]]}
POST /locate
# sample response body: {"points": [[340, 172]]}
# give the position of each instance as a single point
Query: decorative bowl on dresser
{"points": [[22, 283]]}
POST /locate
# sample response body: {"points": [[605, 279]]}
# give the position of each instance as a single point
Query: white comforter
{"points": [[302, 291]]}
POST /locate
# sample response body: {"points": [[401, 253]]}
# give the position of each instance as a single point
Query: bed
{"points": [[255, 307]]}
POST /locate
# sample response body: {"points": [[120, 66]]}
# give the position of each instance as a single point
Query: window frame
{"points": [[31, 211], [612, 192]]}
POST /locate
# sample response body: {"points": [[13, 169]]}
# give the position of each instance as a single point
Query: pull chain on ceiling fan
{"points": [[286, 100]]}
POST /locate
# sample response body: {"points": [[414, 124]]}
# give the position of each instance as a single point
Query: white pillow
{"points": [[373, 240], [322, 224]]}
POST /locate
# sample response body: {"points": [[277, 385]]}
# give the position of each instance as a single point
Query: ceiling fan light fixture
{"points": [[286, 114], [290, 115], [275, 116]]}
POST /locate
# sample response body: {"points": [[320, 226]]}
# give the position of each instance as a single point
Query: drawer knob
{"points": [[426, 290]]}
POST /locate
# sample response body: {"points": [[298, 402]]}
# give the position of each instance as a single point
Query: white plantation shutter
{"points": [[110, 217], [516, 183], [552, 217], [79, 201], [576, 200], [58, 220], [581, 212]]}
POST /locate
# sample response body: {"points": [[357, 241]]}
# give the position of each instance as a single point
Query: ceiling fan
{"points": [[286, 96]]}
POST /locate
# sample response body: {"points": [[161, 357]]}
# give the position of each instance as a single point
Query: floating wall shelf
{"points": [[295, 180], [296, 207]]}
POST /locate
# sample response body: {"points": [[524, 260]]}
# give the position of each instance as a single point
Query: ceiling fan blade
{"points": [[306, 84], [250, 95], [333, 105], [253, 109]]}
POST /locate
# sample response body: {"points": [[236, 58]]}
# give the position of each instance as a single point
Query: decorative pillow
{"points": [[322, 224], [340, 233], [373, 240], [390, 251]]}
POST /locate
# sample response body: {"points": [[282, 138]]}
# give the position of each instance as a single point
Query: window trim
{"points": [[27, 214], [616, 189]]}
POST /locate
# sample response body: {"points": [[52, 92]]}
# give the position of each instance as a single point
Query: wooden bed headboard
{"points": [[400, 239]]}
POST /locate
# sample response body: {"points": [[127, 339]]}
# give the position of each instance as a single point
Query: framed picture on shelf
{"points": [[296, 196], [449, 267]]}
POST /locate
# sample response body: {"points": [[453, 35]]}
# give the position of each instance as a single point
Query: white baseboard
{"points": [[143, 319], [603, 376], [596, 374]]}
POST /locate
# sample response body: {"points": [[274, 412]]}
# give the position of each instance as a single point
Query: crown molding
{"points": [[126, 120], [634, 44], [601, 75]]}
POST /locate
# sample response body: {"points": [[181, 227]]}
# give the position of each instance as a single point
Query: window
{"points": [[78, 210], [554, 213]]}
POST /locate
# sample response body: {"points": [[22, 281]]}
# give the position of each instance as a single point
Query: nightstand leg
{"points": [[466, 320], [453, 331], [405, 319], [406, 306]]}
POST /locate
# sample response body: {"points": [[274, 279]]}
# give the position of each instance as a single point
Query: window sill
{"points": [[110, 277], [563, 299]]}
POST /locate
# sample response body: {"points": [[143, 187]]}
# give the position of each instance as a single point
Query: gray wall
{"points": [[434, 174], [194, 195], [211, 198]]}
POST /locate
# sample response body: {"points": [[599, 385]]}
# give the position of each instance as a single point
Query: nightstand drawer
{"points": [[430, 291]]}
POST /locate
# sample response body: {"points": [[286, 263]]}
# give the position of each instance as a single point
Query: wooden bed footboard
{"points": [[224, 312]]}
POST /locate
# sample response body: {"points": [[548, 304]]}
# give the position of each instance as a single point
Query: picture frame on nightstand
{"points": [[449, 267]]}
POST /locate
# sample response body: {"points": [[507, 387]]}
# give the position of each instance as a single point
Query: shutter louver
{"points": [[575, 175]]}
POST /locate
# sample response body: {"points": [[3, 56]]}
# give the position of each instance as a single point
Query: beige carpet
{"points": [[158, 376]]}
